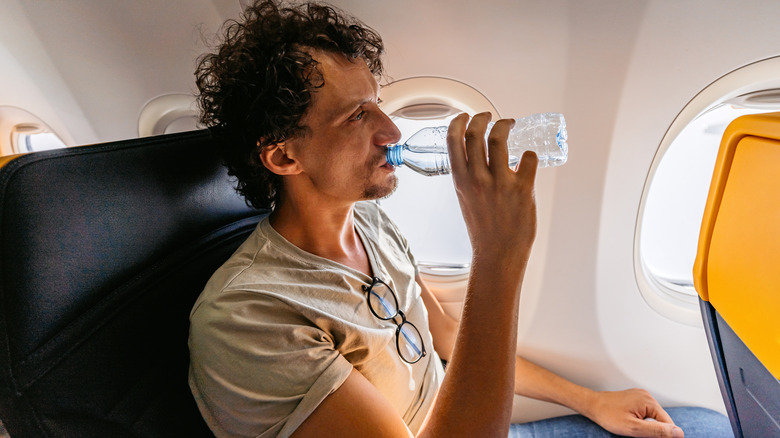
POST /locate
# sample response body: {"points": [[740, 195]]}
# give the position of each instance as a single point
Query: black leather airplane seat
{"points": [[737, 273], [104, 250]]}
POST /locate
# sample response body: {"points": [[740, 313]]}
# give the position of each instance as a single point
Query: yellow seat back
{"points": [[737, 268]]}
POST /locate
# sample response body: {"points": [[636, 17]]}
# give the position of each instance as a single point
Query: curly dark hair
{"points": [[257, 86]]}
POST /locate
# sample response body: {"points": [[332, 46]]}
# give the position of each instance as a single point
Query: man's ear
{"points": [[275, 158]]}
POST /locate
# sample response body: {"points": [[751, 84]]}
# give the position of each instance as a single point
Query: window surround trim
{"points": [[755, 77], [11, 118]]}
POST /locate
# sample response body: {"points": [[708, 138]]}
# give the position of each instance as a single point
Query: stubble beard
{"points": [[380, 191]]}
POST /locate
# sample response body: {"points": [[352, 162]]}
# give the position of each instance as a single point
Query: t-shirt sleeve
{"points": [[258, 367]]}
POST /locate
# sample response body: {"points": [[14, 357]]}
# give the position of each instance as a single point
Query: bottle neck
{"points": [[394, 157]]}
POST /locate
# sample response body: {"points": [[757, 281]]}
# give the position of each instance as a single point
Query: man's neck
{"points": [[324, 230]]}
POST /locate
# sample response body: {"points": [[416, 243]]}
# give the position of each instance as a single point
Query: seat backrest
{"points": [[103, 251], [737, 273]]}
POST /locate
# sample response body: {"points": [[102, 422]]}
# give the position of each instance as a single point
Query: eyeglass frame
{"points": [[398, 312]]}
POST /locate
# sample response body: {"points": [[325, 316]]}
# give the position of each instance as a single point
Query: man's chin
{"points": [[381, 191]]}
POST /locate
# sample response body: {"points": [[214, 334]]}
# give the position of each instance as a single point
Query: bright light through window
{"points": [[677, 196], [33, 138], [44, 141]]}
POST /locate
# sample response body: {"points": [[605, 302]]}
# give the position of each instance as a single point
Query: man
{"points": [[319, 325]]}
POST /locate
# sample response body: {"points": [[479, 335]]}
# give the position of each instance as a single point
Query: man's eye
{"points": [[360, 115]]}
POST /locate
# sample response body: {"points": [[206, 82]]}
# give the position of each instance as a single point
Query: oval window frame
{"points": [[759, 76], [15, 121], [165, 110]]}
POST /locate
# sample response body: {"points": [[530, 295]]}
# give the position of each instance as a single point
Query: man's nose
{"points": [[389, 131]]}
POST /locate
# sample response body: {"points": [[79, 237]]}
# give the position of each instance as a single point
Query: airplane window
{"points": [[426, 208], [22, 132], [33, 138], [675, 194], [675, 201]]}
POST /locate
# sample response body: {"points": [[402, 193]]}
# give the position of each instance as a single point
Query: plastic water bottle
{"points": [[426, 151]]}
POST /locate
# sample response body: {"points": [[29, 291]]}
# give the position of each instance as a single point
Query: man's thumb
{"points": [[665, 430]]}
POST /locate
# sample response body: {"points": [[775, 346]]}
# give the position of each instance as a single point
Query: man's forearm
{"points": [[477, 390], [535, 382], [499, 208]]}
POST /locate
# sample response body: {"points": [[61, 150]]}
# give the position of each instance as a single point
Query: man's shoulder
{"points": [[249, 264]]}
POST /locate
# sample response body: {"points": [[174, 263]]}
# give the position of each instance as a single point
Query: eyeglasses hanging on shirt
{"points": [[383, 303]]}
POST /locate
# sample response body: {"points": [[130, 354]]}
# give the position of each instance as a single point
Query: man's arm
{"points": [[499, 209], [620, 412], [355, 409], [444, 328]]}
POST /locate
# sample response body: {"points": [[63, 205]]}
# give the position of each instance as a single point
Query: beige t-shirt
{"points": [[278, 329]]}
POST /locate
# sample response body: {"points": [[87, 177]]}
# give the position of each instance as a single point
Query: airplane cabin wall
{"points": [[97, 63], [31, 82]]}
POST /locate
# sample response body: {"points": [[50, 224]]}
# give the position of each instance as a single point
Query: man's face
{"points": [[342, 157]]}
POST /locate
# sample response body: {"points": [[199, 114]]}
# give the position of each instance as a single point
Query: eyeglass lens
{"points": [[382, 301], [409, 342]]}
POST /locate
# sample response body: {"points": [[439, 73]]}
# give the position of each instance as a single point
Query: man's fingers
{"points": [[497, 145], [662, 430], [475, 141], [657, 422], [648, 428], [528, 165], [468, 151], [660, 414], [455, 144]]}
